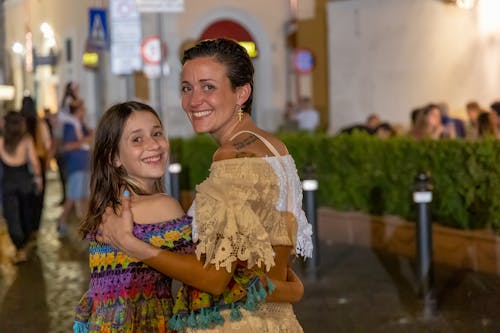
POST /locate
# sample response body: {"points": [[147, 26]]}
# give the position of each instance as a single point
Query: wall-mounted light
{"points": [[18, 48], [464, 4], [46, 30], [48, 35], [250, 47], [489, 17], [6, 93], [90, 59]]}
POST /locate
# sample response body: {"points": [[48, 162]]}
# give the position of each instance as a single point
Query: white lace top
{"points": [[246, 206]]}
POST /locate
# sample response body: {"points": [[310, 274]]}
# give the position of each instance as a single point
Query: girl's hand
{"points": [[116, 229]]}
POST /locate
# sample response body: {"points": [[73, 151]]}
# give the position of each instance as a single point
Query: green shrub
{"points": [[363, 173]]}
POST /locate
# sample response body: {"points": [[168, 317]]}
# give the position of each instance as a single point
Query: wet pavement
{"points": [[356, 290], [40, 295]]}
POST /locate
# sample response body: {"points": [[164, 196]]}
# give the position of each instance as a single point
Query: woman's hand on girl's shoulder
{"points": [[156, 208]]}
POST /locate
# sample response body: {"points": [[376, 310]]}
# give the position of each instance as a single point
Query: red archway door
{"points": [[233, 30]]}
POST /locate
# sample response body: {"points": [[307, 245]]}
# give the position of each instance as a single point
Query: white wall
{"points": [[390, 56]]}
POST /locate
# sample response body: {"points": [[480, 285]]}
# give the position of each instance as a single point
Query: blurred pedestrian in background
{"points": [[70, 96], [39, 131], [76, 140], [307, 117], [473, 110], [289, 122], [486, 125], [428, 124], [21, 180]]}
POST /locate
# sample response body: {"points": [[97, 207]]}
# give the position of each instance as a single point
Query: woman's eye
{"points": [[159, 133], [208, 87], [137, 139], [185, 89]]}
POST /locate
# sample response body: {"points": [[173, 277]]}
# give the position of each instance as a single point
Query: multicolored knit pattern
{"points": [[200, 310], [125, 295]]}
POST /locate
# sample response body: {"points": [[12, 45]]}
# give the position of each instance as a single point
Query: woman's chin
{"points": [[200, 129]]}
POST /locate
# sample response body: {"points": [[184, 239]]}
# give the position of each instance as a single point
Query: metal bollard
{"points": [[422, 196], [309, 188], [174, 169]]}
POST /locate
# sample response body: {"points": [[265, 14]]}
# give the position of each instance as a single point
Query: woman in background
{"points": [[19, 185]]}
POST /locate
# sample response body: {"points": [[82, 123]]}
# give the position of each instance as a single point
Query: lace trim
{"points": [[240, 217], [303, 237]]}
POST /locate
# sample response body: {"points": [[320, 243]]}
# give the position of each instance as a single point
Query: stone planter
{"points": [[470, 249]]}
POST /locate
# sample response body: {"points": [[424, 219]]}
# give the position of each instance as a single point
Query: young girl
{"points": [[125, 295]]}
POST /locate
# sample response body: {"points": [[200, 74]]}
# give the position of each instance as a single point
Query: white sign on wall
{"points": [[160, 6], [125, 37]]}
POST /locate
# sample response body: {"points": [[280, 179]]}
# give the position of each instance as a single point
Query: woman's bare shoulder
{"points": [[155, 208], [250, 145]]}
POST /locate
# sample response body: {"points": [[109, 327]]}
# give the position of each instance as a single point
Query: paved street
{"points": [[357, 290]]}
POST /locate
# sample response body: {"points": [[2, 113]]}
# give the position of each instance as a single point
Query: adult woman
{"points": [[18, 193], [247, 214], [39, 132]]}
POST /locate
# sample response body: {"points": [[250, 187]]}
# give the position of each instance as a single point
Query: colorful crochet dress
{"points": [[125, 295]]}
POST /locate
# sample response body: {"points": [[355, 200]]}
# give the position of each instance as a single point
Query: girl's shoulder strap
{"points": [[261, 138]]}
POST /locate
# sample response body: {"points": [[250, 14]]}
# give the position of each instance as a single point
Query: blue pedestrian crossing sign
{"points": [[98, 37]]}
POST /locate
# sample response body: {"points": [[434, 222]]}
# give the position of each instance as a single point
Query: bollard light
{"points": [[422, 196], [309, 185], [174, 169], [309, 188]]}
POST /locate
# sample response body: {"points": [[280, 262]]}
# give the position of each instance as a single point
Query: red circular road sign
{"points": [[151, 50]]}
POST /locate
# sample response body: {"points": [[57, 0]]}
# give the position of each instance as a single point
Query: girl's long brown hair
{"points": [[107, 181]]}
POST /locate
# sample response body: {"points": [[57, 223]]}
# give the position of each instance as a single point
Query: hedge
{"points": [[358, 172]]}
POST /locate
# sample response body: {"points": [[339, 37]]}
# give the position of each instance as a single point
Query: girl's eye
{"points": [[159, 133], [137, 139]]}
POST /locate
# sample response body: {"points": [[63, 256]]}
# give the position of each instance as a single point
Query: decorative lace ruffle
{"points": [[242, 210], [302, 238]]}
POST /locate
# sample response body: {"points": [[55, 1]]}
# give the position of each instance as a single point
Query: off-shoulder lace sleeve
{"points": [[291, 200], [229, 210]]}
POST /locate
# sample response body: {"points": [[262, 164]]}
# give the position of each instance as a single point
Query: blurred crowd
{"points": [[33, 141], [430, 121]]}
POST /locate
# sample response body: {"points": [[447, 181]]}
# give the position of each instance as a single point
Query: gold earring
{"points": [[240, 113]]}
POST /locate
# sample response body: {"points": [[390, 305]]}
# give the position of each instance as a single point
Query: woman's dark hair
{"points": [[28, 111], [107, 181], [232, 55], [14, 131], [68, 92], [485, 124]]}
